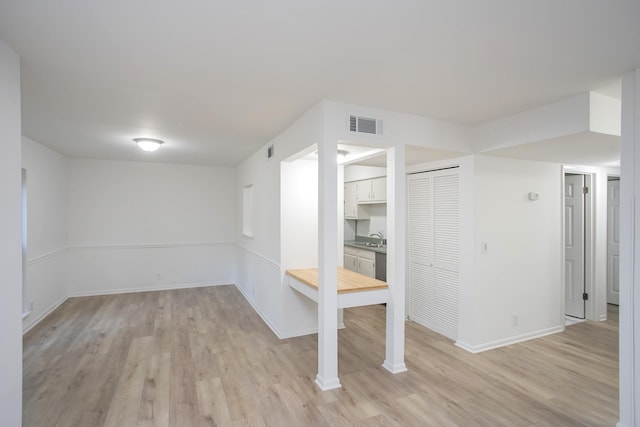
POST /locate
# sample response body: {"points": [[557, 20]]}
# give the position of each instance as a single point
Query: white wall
{"points": [[299, 244], [565, 117], [605, 114], [521, 273], [46, 229], [10, 243], [140, 226], [358, 172], [399, 129], [260, 273]]}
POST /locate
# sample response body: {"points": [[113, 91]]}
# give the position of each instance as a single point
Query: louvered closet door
{"points": [[434, 247], [420, 268]]}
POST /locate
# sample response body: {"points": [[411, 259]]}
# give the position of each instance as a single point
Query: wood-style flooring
{"points": [[203, 357]]}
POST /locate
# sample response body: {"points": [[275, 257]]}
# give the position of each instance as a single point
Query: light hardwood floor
{"points": [[200, 357]]}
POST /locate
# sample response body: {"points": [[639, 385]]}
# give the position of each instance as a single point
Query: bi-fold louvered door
{"points": [[434, 248]]}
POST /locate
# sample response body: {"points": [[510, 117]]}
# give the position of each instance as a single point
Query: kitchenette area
{"points": [[365, 221]]}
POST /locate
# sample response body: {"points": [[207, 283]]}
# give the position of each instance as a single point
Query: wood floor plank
{"points": [[203, 357]]}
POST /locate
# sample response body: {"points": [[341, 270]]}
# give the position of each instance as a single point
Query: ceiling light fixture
{"points": [[148, 144]]}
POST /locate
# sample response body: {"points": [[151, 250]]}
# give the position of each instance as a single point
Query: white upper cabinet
{"points": [[350, 200], [372, 190], [379, 189]]}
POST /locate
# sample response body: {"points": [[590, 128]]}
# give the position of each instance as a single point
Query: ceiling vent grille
{"points": [[365, 125]]}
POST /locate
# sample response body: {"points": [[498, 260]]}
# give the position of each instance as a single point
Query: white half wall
{"points": [[11, 241], [46, 229], [142, 226]]}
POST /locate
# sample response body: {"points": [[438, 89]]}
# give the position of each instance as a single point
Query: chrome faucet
{"points": [[379, 235]]}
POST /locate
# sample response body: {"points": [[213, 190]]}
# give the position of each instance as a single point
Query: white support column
{"points": [[630, 252], [396, 237], [327, 377], [10, 240]]}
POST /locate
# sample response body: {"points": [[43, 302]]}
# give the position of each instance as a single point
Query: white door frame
{"points": [[611, 177], [589, 232]]}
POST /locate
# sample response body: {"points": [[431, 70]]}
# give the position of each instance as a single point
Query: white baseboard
{"points": [[395, 369], [326, 385], [149, 288], [276, 331], [264, 318], [26, 328], [508, 341]]}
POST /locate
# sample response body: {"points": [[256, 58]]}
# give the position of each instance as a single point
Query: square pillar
{"points": [[327, 377], [396, 244]]}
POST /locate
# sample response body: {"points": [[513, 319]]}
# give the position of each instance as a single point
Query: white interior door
{"points": [[574, 245], [613, 242]]}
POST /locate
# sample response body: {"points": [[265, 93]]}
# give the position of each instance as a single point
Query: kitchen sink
{"points": [[367, 244]]}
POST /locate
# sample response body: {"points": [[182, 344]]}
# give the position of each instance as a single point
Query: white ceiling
{"points": [[216, 80]]}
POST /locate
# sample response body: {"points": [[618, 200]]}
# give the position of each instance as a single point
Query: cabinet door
{"points": [[350, 200], [363, 190], [379, 189], [367, 267], [351, 262]]}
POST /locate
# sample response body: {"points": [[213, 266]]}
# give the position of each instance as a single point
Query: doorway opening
{"points": [[578, 237]]}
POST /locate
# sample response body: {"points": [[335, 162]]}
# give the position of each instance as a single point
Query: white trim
{"points": [[269, 260], [151, 288], [48, 311], [264, 318], [508, 341], [46, 256], [395, 369], [149, 246], [326, 385], [290, 334], [590, 208]]}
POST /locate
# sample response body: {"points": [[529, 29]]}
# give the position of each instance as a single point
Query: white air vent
{"points": [[365, 125]]}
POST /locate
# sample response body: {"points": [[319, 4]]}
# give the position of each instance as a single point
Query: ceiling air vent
{"points": [[365, 125]]}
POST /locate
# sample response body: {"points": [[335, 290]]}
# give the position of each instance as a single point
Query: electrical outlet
{"points": [[485, 248], [514, 320], [158, 276]]}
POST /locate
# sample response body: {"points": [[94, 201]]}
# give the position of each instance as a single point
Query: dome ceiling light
{"points": [[148, 144]]}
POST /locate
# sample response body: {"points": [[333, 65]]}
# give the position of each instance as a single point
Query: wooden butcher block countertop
{"points": [[348, 281]]}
